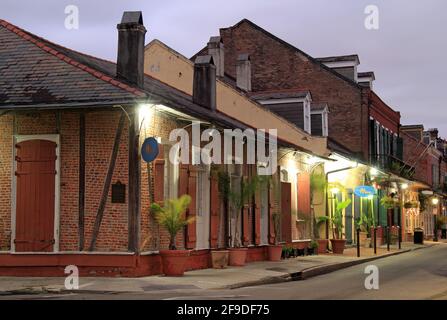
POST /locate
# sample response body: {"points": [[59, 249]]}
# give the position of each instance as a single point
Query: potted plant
{"points": [[338, 243], [322, 243], [411, 204], [238, 200], [313, 248], [172, 217], [365, 222]]}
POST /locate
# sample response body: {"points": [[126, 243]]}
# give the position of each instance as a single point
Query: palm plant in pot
{"points": [[337, 241], [238, 199], [322, 243], [365, 222], [172, 217]]}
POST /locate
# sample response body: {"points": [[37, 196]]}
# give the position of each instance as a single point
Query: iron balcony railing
{"points": [[392, 164]]}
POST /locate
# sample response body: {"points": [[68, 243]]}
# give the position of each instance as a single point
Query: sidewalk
{"points": [[255, 273]]}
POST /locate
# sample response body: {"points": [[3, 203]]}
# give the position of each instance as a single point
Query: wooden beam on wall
{"points": [[107, 182], [134, 175], [81, 200]]}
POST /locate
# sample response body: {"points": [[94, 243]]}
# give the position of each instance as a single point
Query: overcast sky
{"points": [[407, 53]]}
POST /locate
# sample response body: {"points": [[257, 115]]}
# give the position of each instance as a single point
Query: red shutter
{"points": [[304, 193], [183, 180], [159, 176], [257, 218], [192, 191], [214, 207], [271, 211], [286, 214]]}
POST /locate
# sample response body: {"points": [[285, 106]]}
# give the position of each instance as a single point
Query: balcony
{"points": [[394, 165]]}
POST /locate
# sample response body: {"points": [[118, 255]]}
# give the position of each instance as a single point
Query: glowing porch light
{"points": [[404, 186], [145, 112], [435, 201], [373, 171]]}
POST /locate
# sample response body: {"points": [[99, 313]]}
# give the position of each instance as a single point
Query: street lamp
{"points": [[435, 202]]}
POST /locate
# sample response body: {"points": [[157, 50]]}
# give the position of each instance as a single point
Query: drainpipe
{"points": [[327, 194]]}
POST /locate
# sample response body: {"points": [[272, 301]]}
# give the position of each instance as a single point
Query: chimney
{"points": [[243, 72], [130, 61], [217, 51], [204, 83]]}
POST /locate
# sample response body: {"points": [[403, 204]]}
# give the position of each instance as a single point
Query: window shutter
{"points": [[159, 176], [400, 148], [214, 208], [245, 214], [271, 212], [257, 217], [191, 212], [372, 139]]}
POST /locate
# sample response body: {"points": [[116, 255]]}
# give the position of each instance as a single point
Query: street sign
{"points": [[149, 149], [365, 191]]}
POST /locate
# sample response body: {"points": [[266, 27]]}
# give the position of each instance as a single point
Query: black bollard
{"points": [[375, 240], [358, 243], [399, 237], [388, 238]]}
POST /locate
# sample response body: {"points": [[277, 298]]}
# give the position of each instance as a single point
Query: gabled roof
{"points": [[280, 94], [34, 71], [37, 73], [290, 47]]}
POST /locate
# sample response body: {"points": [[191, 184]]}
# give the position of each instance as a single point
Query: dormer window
{"points": [[293, 106], [319, 119]]}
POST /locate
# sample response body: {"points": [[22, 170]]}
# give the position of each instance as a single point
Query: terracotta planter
{"points": [[174, 262], [219, 259], [322, 245], [338, 245], [274, 252], [237, 256]]}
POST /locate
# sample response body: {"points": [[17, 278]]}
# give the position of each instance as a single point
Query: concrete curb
{"points": [[316, 271], [293, 276]]}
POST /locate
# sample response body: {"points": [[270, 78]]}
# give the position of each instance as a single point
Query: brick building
{"points": [[74, 185]]}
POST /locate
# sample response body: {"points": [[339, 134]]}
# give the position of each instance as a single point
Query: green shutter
{"points": [[400, 148]]}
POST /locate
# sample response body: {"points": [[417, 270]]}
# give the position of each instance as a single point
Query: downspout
{"points": [[326, 194]]}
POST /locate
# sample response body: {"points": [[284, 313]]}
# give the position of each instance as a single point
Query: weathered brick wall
{"points": [[100, 132], [276, 66], [412, 151], [6, 127], [153, 236], [99, 138]]}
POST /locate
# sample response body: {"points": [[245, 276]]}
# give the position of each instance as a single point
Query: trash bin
{"points": [[418, 236]]}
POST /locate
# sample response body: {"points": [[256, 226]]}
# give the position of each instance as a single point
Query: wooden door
{"points": [[286, 211], [35, 195]]}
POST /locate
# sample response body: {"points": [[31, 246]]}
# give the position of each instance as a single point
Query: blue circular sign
{"points": [[365, 191], [149, 149]]}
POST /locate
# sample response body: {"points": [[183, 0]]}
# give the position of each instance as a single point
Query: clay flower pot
{"points": [[338, 245], [274, 252], [174, 262], [322, 245], [219, 259], [237, 256]]}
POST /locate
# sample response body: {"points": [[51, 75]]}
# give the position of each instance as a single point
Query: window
{"points": [[319, 121], [295, 110]]}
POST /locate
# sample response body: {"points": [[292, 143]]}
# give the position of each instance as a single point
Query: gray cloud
{"points": [[407, 52]]}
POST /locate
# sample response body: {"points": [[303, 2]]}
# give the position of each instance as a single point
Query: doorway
{"points": [[35, 199]]}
